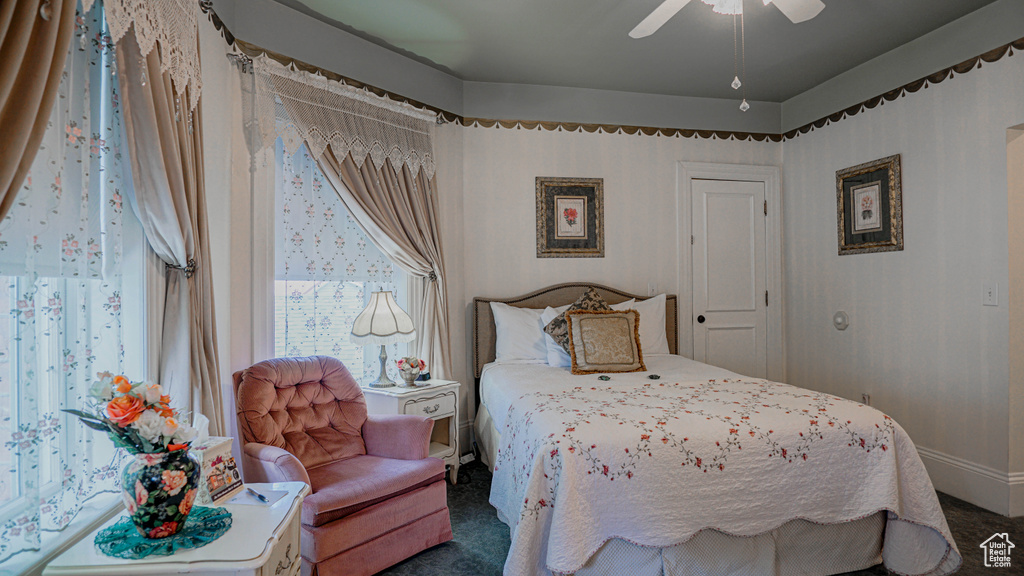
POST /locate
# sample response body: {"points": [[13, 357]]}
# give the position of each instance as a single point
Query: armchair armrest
{"points": [[272, 464], [400, 436]]}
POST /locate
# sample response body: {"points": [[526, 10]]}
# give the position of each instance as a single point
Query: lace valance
{"points": [[173, 24], [301, 107]]}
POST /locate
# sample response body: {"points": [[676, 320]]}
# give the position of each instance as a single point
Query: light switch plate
{"points": [[989, 294]]}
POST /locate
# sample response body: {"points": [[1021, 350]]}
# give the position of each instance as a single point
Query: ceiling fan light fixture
{"points": [[730, 7]]}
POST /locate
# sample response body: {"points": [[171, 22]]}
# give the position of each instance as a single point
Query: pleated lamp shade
{"points": [[382, 322]]}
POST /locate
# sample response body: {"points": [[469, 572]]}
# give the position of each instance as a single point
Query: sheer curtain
{"points": [[325, 269], [62, 264]]}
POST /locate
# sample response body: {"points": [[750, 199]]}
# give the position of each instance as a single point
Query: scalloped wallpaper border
{"points": [[961, 68]]}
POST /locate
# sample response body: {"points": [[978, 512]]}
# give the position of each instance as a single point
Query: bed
{"points": [[701, 471]]}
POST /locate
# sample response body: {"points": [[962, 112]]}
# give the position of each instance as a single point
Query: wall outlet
{"points": [[466, 458], [865, 399], [989, 294]]}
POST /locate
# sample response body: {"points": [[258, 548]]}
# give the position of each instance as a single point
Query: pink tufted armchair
{"points": [[376, 498]]}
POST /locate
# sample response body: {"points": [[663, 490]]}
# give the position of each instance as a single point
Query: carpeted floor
{"points": [[482, 541]]}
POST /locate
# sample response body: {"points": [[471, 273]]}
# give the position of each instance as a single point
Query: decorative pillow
{"points": [[605, 341], [556, 356], [518, 334], [559, 330]]}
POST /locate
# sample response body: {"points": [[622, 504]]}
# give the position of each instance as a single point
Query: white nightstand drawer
{"points": [[432, 406]]}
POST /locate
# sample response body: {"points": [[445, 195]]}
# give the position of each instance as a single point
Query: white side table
{"points": [[262, 541], [436, 399]]}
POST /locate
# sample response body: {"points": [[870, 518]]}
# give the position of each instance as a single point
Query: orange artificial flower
{"points": [[173, 447], [165, 399], [124, 410], [123, 384]]}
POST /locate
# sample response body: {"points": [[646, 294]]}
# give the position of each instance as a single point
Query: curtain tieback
{"points": [[189, 268], [432, 276]]}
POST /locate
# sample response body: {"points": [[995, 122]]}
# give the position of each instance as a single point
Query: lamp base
{"points": [[383, 380]]}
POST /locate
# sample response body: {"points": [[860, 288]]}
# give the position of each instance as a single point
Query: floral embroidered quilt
{"points": [[653, 462]]}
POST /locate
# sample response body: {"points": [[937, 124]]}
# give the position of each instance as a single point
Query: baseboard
{"points": [[991, 489], [1017, 494]]}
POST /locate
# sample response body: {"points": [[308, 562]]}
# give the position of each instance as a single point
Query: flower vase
{"points": [[159, 490], [409, 375]]}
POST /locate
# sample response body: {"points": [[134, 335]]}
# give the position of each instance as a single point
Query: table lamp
{"points": [[382, 322]]}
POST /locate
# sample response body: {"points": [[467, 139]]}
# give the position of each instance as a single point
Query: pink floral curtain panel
{"points": [[325, 268], [61, 254]]}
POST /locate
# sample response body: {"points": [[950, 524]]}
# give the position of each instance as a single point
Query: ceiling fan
{"points": [[796, 10]]}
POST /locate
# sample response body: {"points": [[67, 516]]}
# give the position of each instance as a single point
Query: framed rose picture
{"points": [[570, 217], [869, 199]]}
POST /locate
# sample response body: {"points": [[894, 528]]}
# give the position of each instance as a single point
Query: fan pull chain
{"points": [[743, 52], [735, 56]]}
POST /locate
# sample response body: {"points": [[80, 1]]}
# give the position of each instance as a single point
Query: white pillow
{"points": [[520, 334], [556, 356], [627, 305], [652, 325]]}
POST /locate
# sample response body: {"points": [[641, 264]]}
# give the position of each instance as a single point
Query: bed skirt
{"points": [[796, 547]]}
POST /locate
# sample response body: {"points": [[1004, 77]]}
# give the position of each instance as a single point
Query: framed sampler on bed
{"points": [[570, 217], [869, 200]]}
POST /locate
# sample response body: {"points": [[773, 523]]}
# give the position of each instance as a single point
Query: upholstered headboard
{"points": [[484, 337]]}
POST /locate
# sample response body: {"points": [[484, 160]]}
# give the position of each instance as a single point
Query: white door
{"points": [[730, 311]]}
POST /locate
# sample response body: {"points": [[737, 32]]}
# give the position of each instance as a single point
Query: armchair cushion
{"points": [[341, 488], [273, 464], [311, 407], [403, 436]]}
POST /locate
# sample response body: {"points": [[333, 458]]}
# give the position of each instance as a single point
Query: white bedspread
{"points": [[653, 462]]}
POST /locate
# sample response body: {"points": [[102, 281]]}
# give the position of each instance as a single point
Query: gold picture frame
{"points": [[869, 207], [570, 217]]}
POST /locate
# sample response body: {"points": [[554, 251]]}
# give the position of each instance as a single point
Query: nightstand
{"points": [[262, 541], [436, 399]]}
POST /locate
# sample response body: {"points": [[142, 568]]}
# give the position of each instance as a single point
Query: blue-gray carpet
{"points": [[482, 541]]}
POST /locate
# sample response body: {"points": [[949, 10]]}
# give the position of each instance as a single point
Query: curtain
{"points": [[325, 269], [398, 209], [165, 143], [61, 277], [377, 155], [34, 39]]}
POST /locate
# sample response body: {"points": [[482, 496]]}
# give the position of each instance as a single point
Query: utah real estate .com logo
{"points": [[997, 550]]}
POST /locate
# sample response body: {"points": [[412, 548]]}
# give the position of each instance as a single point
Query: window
{"points": [[325, 270], [71, 260]]}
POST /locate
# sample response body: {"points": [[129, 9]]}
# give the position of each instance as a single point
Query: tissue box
{"points": [[220, 478]]}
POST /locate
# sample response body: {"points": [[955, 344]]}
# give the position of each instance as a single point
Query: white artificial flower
{"points": [[153, 393], [170, 427], [185, 434], [150, 426], [102, 390]]}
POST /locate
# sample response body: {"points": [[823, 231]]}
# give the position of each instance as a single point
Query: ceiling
{"points": [[585, 43]]}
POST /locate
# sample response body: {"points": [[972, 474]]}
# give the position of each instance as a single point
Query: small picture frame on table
{"points": [[570, 217], [869, 204]]}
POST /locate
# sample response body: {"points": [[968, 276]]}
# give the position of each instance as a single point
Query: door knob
{"points": [[700, 319]]}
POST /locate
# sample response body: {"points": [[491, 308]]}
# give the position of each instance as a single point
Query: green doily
{"points": [[204, 525]]}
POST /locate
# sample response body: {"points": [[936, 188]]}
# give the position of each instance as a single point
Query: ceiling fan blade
{"points": [[799, 10], [657, 19]]}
